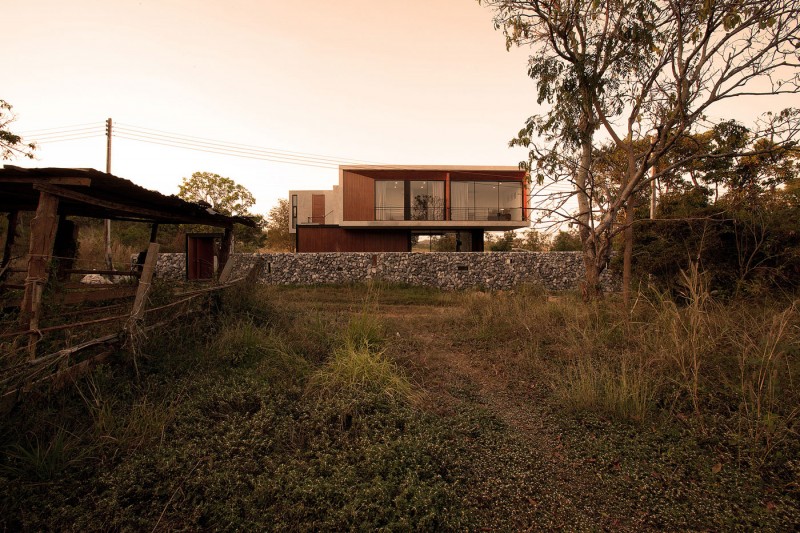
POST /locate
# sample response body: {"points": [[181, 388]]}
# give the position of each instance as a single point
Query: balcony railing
{"points": [[489, 214]]}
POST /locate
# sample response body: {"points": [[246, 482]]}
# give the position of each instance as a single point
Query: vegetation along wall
{"points": [[445, 270]]}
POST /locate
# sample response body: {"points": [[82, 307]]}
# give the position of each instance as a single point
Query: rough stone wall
{"points": [[445, 270]]}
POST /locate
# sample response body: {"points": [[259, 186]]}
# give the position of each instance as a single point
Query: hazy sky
{"points": [[380, 81], [389, 81]]}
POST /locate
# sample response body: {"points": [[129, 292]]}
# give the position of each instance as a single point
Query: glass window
{"points": [[486, 200], [389, 200], [294, 211], [426, 200], [509, 201]]}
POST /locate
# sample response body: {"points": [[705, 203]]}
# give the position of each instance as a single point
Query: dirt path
{"points": [[521, 474]]}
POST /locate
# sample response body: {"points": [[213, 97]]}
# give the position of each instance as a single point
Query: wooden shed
{"points": [[55, 194]]}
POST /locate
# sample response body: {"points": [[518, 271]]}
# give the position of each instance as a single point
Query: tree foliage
{"points": [[278, 236], [222, 194], [648, 74], [12, 145], [229, 198]]}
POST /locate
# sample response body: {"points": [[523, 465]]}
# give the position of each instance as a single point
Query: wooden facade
{"points": [[358, 196], [336, 239]]}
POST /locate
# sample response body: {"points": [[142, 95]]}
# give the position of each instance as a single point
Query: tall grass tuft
{"points": [[615, 389], [118, 425], [359, 365], [41, 460]]}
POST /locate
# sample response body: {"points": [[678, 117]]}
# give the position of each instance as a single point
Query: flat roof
{"points": [[444, 168]]}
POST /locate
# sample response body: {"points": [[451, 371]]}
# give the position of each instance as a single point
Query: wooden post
{"points": [[154, 232], [225, 262], [43, 234], [145, 281], [11, 236]]}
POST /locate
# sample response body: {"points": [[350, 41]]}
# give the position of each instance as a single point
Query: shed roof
{"points": [[91, 193]]}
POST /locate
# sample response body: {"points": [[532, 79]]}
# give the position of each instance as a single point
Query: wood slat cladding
{"points": [[358, 195], [335, 239]]}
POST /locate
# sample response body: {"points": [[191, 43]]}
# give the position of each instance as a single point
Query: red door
{"points": [[200, 258], [317, 208]]}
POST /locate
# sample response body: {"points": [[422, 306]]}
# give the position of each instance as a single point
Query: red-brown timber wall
{"points": [[358, 195], [336, 239]]}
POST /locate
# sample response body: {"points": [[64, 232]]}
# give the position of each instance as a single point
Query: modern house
{"points": [[381, 208]]}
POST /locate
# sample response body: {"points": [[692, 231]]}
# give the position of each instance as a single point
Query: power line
{"points": [[247, 156], [42, 130], [201, 144], [220, 148], [203, 140]]}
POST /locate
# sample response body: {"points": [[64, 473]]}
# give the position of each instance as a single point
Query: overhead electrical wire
{"points": [[247, 151], [238, 146], [64, 133], [59, 128]]}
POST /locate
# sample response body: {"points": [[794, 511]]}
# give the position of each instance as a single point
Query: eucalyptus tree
{"points": [[628, 71]]}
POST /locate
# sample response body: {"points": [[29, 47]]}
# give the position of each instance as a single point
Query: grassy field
{"points": [[376, 407]]}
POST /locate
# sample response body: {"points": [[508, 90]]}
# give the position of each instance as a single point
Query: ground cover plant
{"points": [[383, 407]]}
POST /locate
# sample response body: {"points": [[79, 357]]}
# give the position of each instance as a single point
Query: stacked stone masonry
{"points": [[448, 271]]}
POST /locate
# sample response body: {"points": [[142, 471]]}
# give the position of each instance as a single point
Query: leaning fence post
{"points": [[137, 312]]}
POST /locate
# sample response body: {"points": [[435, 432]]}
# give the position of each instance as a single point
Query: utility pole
{"points": [[107, 232]]}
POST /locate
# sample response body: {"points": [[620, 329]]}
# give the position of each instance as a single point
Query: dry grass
{"points": [[91, 250], [721, 367]]}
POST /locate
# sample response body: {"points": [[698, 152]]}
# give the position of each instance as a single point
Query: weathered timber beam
{"points": [[123, 208], [96, 295], [107, 204], [80, 182]]}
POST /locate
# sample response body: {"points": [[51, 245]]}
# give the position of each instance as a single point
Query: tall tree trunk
{"points": [[627, 254], [592, 260]]}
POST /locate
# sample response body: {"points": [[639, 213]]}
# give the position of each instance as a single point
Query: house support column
{"points": [[476, 236], [43, 234]]}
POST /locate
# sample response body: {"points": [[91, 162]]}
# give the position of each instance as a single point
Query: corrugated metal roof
{"points": [[91, 193]]}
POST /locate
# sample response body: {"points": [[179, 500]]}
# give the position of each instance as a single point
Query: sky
{"points": [[399, 82], [390, 82]]}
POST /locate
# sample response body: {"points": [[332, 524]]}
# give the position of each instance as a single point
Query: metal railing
{"points": [[319, 219], [489, 214]]}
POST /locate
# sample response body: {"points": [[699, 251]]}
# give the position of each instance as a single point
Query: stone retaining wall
{"points": [[444, 270]]}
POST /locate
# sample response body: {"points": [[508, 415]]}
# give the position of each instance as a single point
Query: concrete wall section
{"points": [[446, 270]]}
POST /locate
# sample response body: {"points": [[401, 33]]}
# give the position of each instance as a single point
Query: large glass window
{"points": [[486, 200], [389, 200], [409, 200], [426, 200], [294, 211]]}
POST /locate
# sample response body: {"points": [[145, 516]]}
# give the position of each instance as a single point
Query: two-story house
{"points": [[380, 208]]}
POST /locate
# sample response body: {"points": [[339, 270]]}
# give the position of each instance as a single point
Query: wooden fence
{"points": [[23, 370]]}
